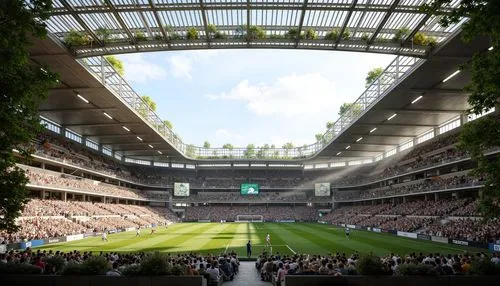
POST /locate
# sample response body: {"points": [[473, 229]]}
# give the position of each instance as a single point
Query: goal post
{"points": [[249, 218]]}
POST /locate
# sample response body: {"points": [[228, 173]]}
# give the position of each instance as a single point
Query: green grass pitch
{"points": [[286, 238]]}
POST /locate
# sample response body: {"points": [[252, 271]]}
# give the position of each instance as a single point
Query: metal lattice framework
{"points": [[128, 26]]}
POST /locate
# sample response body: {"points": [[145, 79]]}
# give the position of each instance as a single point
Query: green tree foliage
{"points": [[372, 75], [211, 31], [117, 64], [277, 36], [365, 37], [190, 151], [220, 35], [103, 33], [287, 146], [330, 124], [206, 144], [192, 34], [349, 105], [140, 37], [318, 137], [423, 40], [401, 34], [171, 34], [484, 90], [149, 104], [76, 38], [168, 123], [250, 151], [334, 34], [311, 34], [23, 86], [255, 33], [228, 146], [261, 153], [293, 33]]}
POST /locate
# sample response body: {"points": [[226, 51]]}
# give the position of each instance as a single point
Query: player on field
{"points": [[153, 231], [347, 232], [138, 232], [268, 240], [249, 249], [104, 236]]}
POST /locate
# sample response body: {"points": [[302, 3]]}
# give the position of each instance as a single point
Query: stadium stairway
{"points": [[247, 275]]}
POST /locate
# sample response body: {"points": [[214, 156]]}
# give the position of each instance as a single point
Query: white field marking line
{"points": [[226, 248], [291, 249], [258, 245]]}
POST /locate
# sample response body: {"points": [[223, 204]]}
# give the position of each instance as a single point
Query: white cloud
{"points": [[182, 65], [289, 96], [137, 69]]}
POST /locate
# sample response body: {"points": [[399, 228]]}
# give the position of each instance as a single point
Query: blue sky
{"points": [[250, 96]]}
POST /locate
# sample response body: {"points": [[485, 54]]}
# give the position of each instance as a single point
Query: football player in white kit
{"points": [[104, 236], [347, 233]]}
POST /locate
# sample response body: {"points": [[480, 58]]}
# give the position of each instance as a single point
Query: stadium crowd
{"points": [[261, 197], [422, 216], [216, 268], [224, 267], [42, 219], [340, 264], [436, 183], [469, 229], [436, 151], [268, 213]]}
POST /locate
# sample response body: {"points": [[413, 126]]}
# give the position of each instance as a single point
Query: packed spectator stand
{"points": [[268, 213], [437, 151], [42, 219], [221, 201], [455, 218]]}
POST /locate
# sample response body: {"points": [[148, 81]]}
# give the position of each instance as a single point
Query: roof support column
{"points": [[103, 74], [301, 22], [397, 68]]}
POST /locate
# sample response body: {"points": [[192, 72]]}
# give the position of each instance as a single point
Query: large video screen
{"points": [[181, 189], [322, 189], [249, 189]]}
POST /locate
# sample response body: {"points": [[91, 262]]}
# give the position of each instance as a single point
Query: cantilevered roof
{"points": [[129, 26], [118, 118], [421, 100], [403, 81]]}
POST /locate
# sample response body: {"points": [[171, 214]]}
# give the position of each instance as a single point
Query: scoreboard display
{"points": [[249, 189], [181, 189], [322, 189]]}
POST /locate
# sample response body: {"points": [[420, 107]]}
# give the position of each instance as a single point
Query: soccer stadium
{"points": [[117, 195]]}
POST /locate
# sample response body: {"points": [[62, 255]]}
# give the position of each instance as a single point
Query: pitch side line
{"points": [[290, 249]]}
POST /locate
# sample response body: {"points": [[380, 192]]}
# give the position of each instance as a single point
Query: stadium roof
{"points": [[117, 118], [130, 26], [123, 129]]}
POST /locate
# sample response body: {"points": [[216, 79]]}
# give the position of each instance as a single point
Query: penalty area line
{"points": [[290, 249]]}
